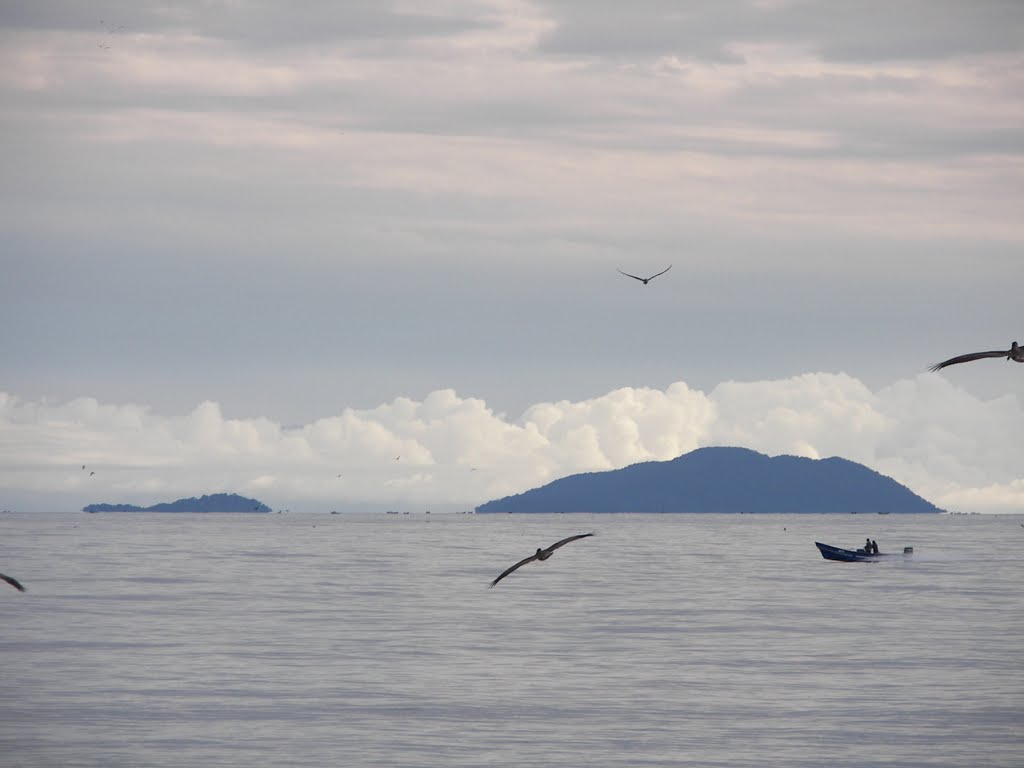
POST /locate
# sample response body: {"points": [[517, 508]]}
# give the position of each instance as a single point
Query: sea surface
{"points": [[374, 640]]}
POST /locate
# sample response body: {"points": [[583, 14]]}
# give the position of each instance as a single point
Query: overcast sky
{"points": [[263, 247]]}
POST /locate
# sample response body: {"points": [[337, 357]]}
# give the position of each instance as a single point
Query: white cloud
{"points": [[448, 451]]}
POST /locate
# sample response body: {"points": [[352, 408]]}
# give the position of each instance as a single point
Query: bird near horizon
{"points": [[13, 582], [644, 280], [1015, 353], [540, 554]]}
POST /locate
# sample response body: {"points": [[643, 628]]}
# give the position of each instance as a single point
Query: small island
{"points": [[217, 502], [723, 480]]}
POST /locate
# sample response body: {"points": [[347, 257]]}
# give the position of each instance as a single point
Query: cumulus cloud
{"points": [[452, 452]]}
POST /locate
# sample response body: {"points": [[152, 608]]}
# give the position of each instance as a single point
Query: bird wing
{"points": [[628, 275], [666, 269], [563, 542], [13, 582], [969, 358], [507, 571]]}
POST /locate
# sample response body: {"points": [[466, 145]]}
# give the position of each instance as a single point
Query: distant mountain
{"points": [[217, 502], [722, 480]]}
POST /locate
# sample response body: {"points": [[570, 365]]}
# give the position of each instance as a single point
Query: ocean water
{"points": [[373, 640]]}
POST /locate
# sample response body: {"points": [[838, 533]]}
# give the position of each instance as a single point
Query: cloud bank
{"points": [[447, 452]]}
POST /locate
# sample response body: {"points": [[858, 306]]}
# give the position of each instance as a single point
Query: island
{"points": [[217, 502], [722, 479]]}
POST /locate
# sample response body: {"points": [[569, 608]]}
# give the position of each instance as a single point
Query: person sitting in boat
{"points": [[866, 549], [874, 547]]}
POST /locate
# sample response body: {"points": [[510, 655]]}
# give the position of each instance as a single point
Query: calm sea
{"points": [[373, 640]]}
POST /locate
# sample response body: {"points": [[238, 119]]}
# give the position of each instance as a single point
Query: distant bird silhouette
{"points": [[13, 582], [644, 280], [1014, 353], [540, 554], [91, 474]]}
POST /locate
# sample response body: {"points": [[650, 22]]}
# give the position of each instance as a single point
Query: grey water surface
{"points": [[374, 640]]}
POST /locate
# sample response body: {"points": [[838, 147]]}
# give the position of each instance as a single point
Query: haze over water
{"points": [[373, 640]]}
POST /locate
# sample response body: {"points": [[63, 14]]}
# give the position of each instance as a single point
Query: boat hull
{"points": [[851, 555]]}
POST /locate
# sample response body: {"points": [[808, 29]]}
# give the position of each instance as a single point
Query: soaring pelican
{"points": [[540, 554], [1013, 353], [13, 582], [644, 280]]}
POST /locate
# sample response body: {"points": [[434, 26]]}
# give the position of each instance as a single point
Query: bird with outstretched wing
{"points": [[644, 280], [1015, 353], [13, 582], [540, 554]]}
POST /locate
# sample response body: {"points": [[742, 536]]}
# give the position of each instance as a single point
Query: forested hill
{"points": [[217, 502], [722, 479]]}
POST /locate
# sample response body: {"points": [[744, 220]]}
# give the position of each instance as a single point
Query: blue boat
{"points": [[854, 555]]}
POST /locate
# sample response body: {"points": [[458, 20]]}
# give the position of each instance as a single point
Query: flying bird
{"points": [[13, 582], [540, 554], [1014, 353], [644, 280]]}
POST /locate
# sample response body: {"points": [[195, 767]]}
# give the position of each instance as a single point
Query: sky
{"points": [[363, 255]]}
